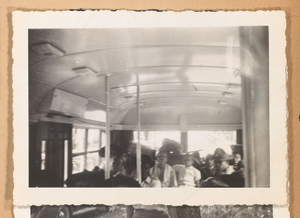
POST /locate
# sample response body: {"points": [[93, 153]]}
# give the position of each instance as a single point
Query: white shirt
{"points": [[187, 176], [169, 177], [229, 170], [151, 182]]}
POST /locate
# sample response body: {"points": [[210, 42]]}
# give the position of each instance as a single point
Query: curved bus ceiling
{"points": [[190, 72]]}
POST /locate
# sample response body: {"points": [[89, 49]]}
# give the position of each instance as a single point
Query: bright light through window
{"points": [[154, 139], [206, 142], [95, 115]]}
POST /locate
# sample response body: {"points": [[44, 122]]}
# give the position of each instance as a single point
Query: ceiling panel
{"points": [[82, 40], [176, 67]]}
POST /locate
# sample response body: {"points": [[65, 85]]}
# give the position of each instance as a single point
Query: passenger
{"points": [[197, 160], [209, 170], [147, 180], [222, 164], [121, 164], [121, 181], [227, 174], [187, 175], [112, 160], [163, 171], [238, 163]]}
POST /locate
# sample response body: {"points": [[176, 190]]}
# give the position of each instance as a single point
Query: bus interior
{"points": [[95, 94]]}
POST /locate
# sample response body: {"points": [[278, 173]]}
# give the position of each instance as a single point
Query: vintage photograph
{"points": [[157, 106], [150, 211], [177, 107]]}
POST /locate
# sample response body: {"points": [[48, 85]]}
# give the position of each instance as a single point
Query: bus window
{"points": [[78, 140], [43, 155], [92, 161], [86, 147], [66, 145], [93, 140], [77, 164], [154, 139], [208, 141]]}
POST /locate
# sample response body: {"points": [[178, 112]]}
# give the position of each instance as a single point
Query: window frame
{"points": [[85, 152]]}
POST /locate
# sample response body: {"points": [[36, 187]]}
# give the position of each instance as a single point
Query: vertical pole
{"points": [[107, 147], [85, 147], [239, 136], [184, 132], [138, 147], [184, 141], [66, 144], [255, 98], [246, 77], [100, 145], [260, 52]]}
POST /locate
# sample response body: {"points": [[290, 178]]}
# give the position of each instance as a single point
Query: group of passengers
{"points": [[220, 170], [223, 170]]}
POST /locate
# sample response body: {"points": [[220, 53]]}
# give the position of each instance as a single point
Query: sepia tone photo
{"points": [[173, 108], [170, 107]]}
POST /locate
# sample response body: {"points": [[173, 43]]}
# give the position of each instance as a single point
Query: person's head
{"points": [[124, 158], [188, 160], [222, 162], [162, 157], [116, 166], [209, 160], [222, 165], [237, 157], [145, 170], [147, 163]]}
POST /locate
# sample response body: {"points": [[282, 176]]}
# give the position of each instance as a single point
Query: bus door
{"points": [[50, 150]]}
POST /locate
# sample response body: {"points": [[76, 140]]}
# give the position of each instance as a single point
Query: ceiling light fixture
{"points": [[83, 71], [227, 94], [233, 86], [130, 97], [47, 50], [236, 73], [142, 104], [222, 102], [117, 90]]}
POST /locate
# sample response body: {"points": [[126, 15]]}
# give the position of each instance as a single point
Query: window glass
{"points": [[43, 155], [93, 139], [92, 160], [78, 164], [154, 139], [206, 142], [85, 148], [103, 139], [66, 142], [78, 138]]}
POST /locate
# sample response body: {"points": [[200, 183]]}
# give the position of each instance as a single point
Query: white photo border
{"points": [[276, 194]]}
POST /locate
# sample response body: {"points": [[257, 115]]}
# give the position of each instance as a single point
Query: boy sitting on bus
{"points": [[147, 180], [163, 171], [187, 175]]}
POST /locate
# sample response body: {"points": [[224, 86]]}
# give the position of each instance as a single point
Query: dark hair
{"points": [[131, 166], [147, 160], [236, 152], [162, 152], [189, 155], [208, 157]]}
